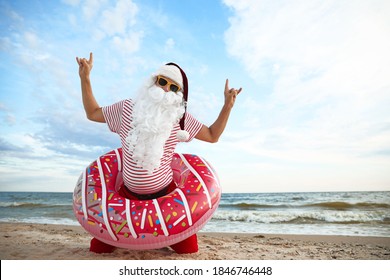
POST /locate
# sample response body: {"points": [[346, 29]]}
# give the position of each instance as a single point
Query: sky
{"points": [[314, 113]]}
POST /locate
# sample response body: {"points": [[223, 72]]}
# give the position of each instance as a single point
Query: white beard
{"points": [[155, 113]]}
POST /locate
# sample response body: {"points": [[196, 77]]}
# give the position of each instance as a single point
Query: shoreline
{"points": [[19, 241]]}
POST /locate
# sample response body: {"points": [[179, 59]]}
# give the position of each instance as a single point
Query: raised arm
{"points": [[211, 134], [91, 107]]}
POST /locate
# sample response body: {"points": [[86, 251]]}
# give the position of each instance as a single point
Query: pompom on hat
{"points": [[175, 73]]}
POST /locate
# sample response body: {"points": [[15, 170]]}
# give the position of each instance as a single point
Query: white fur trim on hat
{"points": [[182, 135], [171, 72]]}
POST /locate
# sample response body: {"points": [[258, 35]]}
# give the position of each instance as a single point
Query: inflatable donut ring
{"points": [[146, 224]]}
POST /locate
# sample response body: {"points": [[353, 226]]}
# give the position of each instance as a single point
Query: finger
{"points": [[238, 92], [90, 58], [78, 60], [227, 85]]}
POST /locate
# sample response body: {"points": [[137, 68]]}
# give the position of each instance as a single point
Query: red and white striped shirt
{"points": [[137, 179]]}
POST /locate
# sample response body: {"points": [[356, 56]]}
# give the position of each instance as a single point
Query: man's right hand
{"points": [[92, 108]]}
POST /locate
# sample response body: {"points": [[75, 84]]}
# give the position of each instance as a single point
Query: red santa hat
{"points": [[175, 73]]}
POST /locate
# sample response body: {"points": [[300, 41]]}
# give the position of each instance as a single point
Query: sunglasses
{"points": [[163, 82]]}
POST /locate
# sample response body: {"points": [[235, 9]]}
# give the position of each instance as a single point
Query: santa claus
{"points": [[150, 127]]}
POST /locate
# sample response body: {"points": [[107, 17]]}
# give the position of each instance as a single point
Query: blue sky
{"points": [[313, 115]]}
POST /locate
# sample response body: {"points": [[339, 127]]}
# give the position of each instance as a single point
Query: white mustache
{"points": [[158, 95]]}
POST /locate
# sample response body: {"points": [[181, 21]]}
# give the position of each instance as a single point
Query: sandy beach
{"points": [[59, 242]]}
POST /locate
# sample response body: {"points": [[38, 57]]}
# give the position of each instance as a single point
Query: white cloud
{"points": [[112, 23], [31, 39], [72, 20], [117, 20], [328, 66], [169, 44], [73, 3], [91, 8], [129, 43], [302, 37], [7, 116]]}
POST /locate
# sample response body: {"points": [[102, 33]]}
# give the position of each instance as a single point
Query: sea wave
{"points": [[13, 204], [41, 220], [303, 217], [246, 206], [360, 213], [338, 205], [332, 205]]}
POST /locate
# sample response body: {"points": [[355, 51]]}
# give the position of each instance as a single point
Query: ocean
{"points": [[320, 213]]}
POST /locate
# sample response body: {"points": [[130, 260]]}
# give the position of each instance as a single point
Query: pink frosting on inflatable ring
{"points": [[146, 224]]}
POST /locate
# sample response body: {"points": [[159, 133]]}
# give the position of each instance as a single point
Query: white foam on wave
{"points": [[301, 217]]}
